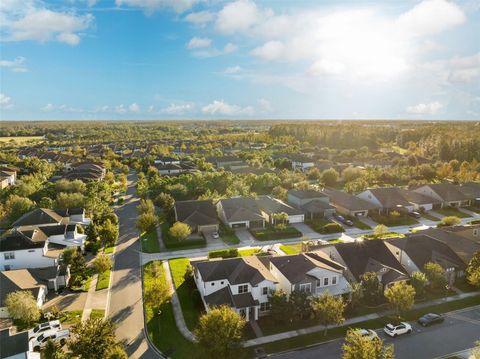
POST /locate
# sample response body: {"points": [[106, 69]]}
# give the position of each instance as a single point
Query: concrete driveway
{"points": [[245, 237]]}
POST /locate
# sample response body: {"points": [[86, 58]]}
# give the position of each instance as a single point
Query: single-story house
{"points": [[348, 204], [201, 216], [387, 198], [472, 191], [419, 200], [448, 194], [313, 203], [271, 206], [240, 212]]}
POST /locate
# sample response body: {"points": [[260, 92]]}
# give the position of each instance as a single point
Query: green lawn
{"points": [[150, 242], [103, 280], [430, 217], [271, 233], [228, 235], [291, 248], [248, 252], [384, 236], [109, 250], [190, 307], [97, 314], [309, 339], [449, 211], [72, 317], [473, 209], [175, 244], [162, 328], [393, 221], [358, 223], [324, 226]]}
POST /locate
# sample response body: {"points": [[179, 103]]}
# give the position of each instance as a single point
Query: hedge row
{"points": [[224, 253], [268, 234]]}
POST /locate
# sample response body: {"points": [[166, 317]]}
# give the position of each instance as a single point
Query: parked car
{"points": [[343, 220], [58, 336], [215, 235], [415, 214], [43, 327], [430, 318], [368, 333], [394, 330]]}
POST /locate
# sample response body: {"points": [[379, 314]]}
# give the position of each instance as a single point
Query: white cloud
{"points": [[431, 17], [230, 48], [120, 109], [178, 109], [134, 107], [232, 70], [271, 50], [48, 107], [199, 42], [464, 69], [68, 38], [150, 6], [201, 18], [222, 108], [430, 108], [237, 16], [5, 102], [325, 66], [264, 105], [15, 65]]}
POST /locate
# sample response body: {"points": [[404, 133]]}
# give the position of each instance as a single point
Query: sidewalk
{"points": [[177, 309], [351, 321], [159, 237], [95, 299]]}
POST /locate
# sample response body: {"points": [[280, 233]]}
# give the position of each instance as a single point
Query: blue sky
{"points": [[245, 59]]}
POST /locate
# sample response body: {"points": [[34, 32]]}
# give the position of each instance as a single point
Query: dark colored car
{"points": [[415, 215], [429, 319]]}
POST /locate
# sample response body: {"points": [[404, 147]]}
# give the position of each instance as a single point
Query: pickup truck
{"points": [[58, 336]]}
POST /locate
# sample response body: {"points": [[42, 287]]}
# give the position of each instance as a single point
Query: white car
{"points": [[58, 336], [394, 330], [368, 333], [43, 327], [215, 235]]}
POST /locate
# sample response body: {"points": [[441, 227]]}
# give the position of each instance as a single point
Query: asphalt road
{"points": [[126, 305], [459, 331]]}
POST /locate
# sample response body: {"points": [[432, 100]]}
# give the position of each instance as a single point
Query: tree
{"points": [[356, 296], [146, 206], [330, 177], [117, 353], [357, 346], [69, 200], [52, 351], [380, 230], [419, 282], [371, 288], [300, 307], [449, 221], [146, 221], [476, 350], [22, 306], [280, 220], [473, 270], [435, 275], [17, 206], [356, 186], [328, 309], [220, 332], [109, 232], [401, 297], [279, 306], [179, 231], [165, 202], [102, 263], [93, 339]]}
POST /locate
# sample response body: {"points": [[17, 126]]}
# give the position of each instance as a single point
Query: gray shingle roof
{"points": [[348, 201], [196, 213], [37, 217], [448, 192], [272, 205], [390, 197], [241, 209]]}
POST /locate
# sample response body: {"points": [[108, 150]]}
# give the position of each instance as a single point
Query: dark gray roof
{"points": [[316, 206], [241, 209], [272, 205], [389, 197], [348, 201], [37, 217], [13, 345], [18, 240], [306, 194], [423, 249], [471, 190], [244, 300], [357, 256], [417, 198], [220, 297], [196, 213], [235, 270], [448, 191]]}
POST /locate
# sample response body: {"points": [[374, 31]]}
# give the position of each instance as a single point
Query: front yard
{"points": [[430, 217], [173, 243], [394, 220], [324, 226], [228, 235], [449, 211], [271, 233], [291, 248], [150, 242], [358, 223]]}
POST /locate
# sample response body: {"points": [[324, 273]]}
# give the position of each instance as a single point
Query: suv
{"points": [[43, 327], [58, 336], [394, 330]]}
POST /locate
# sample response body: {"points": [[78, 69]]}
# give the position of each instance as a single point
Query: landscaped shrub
{"points": [[224, 253], [271, 233], [332, 228]]}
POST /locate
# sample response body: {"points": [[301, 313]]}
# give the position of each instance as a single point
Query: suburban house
{"points": [[471, 232], [361, 257], [166, 160], [240, 212], [201, 216], [176, 168], [312, 272], [302, 163], [448, 194], [15, 346], [415, 250], [472, 191], [314, 204], [419, 201], [387, 198], [86, 172], [348, 204], [271, 206], [8, 176], [231, 162], [242, 283]]}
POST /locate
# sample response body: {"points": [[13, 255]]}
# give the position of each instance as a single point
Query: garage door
{"points": [[296, 219], [239, 225]]}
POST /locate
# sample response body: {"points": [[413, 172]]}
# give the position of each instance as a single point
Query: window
{"points": [[334, 280], [221, 283], [325, 281], [319, 283], [9, 255], [307, 287], [264, 290], [264, 306], [243, 289], [213, 284]]}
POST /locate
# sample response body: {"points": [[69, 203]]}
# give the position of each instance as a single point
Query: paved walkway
{"points": [[469, 213], [351, 321], [464, 354], [177, 309], [159, 237]]}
